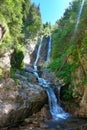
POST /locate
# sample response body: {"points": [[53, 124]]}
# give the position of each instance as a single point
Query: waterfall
{"points": [[79, 15], [55, 109], [38, 52], [37, 58], [58, 90], [49, 48]]}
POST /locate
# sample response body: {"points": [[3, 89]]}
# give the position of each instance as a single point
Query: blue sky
{"points": [[51, 10]]}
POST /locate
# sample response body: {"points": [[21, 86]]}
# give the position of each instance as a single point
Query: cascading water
{"points": [[49, 48], [79, 15], [56, 111], [37, 57], [38, 52]]}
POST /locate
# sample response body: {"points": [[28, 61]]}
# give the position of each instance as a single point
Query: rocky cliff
{"points": [[21, 97], [78, 102], [43, 54], [80, 87]]}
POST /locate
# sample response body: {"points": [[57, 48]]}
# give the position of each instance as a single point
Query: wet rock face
{"points": [[43, 53], [31, 50], [48, 75], [33, 55], [44, 50], [19, 101]]}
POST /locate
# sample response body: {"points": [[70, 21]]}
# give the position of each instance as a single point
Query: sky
{"points": [[51, 10]]}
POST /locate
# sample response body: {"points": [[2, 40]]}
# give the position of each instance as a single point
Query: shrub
{"points": [[68, 94], [17, 58]]}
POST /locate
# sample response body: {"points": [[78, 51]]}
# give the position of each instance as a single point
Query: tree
{"points": [[32, 22]]}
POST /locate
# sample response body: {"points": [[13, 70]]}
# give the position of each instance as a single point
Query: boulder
{"points": [[18, 101], [28, 77], [29, 69]]}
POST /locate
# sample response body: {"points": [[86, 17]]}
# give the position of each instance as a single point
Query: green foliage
{"points": [[4, 44], [11, 19], [46, 29], [68, 94], [32, 20], [16, 59], [20, 16], [12, 12], [2, 20], [12, 72], [65, 64], [69, 48], [21, 19]]}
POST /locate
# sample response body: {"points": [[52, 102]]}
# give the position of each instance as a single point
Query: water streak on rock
{"points": [[79, 16]]}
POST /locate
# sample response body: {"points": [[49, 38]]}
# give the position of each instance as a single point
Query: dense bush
{"points": [[16, 59]]}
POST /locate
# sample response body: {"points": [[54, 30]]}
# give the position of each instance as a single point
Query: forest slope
{"points": [[69, 54]]}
